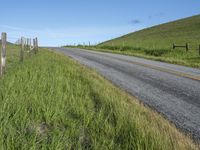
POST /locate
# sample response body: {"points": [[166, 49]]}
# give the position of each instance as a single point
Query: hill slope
{"points": [[162, 36]]}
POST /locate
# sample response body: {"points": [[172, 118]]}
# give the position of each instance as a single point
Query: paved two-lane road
{"points": [[170, 89]]}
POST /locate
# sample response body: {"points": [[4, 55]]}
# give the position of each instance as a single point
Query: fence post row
{"points": [[36, 44], [30, 44], [22, 49], [3, 52], [25, 44], [34, 47]]}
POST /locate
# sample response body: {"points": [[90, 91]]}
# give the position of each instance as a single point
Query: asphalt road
{"points": [[172, 90]]}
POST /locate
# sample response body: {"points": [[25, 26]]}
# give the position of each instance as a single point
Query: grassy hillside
{"points": [[162, 36], [51, 102], [156, 42]]}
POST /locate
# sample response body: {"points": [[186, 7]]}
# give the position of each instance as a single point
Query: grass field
{"points": [[52, 102], [156, 42]]}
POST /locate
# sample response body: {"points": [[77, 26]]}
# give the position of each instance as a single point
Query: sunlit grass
{"points": [[52, 102]]}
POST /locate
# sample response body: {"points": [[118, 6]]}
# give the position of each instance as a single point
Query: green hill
{"points": [[163, 36], [157, 42]]}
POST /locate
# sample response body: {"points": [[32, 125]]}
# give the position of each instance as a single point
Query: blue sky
{"points": [[60, 22]]}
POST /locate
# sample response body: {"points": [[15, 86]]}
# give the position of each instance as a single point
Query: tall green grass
{"points": [[52, 102]]}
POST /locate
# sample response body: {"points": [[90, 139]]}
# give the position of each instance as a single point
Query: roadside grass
{"points": [[178, 56], [156, 42], [52, 102]]}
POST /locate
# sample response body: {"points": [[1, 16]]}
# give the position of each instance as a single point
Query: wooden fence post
{"points": [[187, 47], [22, 49], [3, 52], [25, 45], [199, 50], [36, 43], [30, 45], [173, 46]]}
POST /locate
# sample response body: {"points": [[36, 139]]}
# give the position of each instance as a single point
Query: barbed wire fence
{"points": [[24, 47]]}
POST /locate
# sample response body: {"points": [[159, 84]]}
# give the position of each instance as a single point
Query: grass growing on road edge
{"points": [[52, 102]]}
